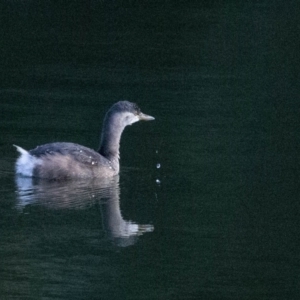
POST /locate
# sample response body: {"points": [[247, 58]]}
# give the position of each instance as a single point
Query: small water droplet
{"points": [[157, 181], [158, 166]]}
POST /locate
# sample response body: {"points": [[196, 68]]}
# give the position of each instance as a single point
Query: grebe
{"points": [[57, 161]]}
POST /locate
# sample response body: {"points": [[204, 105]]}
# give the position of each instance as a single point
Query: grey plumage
{"points": [[68, 160]]}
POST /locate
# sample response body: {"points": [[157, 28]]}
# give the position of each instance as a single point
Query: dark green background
{"points": [[222, 80]]}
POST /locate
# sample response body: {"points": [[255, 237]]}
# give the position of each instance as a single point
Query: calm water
{"points": [[207, 202]]}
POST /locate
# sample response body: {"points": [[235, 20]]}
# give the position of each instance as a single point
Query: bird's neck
{"points": [[110, 140]]}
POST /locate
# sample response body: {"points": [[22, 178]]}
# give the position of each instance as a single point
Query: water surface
{"points": [[218, 219]]}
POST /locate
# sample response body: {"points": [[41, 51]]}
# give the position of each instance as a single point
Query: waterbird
{"points": [[63, 160]]}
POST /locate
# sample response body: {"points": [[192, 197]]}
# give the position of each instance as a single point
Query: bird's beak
{"points": [[144, 117]]}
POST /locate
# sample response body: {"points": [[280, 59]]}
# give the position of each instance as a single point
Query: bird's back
{"points": [[68, 160]]}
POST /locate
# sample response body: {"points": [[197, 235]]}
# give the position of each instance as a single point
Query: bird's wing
{"points": [[79, 153]]}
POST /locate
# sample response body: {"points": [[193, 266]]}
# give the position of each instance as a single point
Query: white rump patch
{"points": [[26, 162]]}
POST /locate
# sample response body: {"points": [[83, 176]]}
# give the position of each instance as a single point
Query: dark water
{"points": [[207, 202]]}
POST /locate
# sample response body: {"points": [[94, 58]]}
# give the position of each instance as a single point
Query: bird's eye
{"points": [[136, 109]]}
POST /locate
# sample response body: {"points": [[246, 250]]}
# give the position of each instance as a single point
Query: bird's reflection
{"points": [[104, 194]]}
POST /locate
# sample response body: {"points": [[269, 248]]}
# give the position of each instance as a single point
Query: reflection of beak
{"points": [[144, 117]]}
